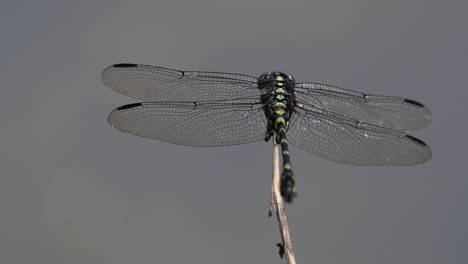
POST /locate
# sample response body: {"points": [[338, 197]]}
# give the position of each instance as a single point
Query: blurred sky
{"points": [[73, 190]]}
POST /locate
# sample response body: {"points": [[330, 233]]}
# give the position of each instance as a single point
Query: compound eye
{"points": [[264, 75]]}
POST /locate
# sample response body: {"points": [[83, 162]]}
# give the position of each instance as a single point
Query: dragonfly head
{"points": [[270, 81], [276, 76]]}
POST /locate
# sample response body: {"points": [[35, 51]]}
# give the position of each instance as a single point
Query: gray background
{"points": [[73, 190]]}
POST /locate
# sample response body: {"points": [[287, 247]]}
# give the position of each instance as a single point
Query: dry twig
{"points": [[277, 204]]}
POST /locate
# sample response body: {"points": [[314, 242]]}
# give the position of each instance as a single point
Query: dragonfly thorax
{"points": [[276, 87], [277, 96]]}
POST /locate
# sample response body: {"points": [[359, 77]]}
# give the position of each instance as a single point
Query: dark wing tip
{"points": [[409, 101], [418, 141], [115, 113], [125, 65], [108, 70], [128, 106], [425, 149]]}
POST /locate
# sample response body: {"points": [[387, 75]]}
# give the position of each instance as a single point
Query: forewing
{"points": [[193, 124], [349, 141], [151, 83], [387, 111]]}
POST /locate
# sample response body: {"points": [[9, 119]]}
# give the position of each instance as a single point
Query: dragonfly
{"points": [[211, 109]]}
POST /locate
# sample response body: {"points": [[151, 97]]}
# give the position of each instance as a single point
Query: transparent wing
{"points": [[349, 141], [193, 124], [151, 83], [387, 111]]}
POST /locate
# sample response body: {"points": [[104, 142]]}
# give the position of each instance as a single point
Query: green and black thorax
{"points": [[278, 99]]}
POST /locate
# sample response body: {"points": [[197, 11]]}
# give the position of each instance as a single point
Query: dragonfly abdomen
{"points": [[288, 186]]}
